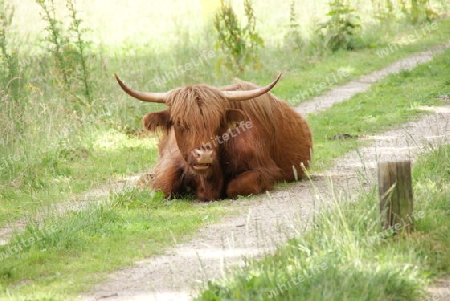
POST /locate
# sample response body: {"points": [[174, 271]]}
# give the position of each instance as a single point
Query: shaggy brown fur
{"points": [[286, 131], [250, 162], [198, 107]]}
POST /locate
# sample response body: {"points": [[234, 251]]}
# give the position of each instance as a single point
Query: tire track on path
{"points": [[75, 203], [362, 84]]}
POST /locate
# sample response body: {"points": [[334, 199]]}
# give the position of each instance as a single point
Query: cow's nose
{"points": [[203, 156]]}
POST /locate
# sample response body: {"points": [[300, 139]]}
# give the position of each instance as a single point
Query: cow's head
{"points": [[199, 115]]}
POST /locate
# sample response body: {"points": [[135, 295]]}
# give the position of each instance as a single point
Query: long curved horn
{"points": [[144, 96], [248, 94]]}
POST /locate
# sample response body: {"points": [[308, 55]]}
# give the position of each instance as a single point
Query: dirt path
{"points": [[362, 84], [440, 290], [268, 220]]}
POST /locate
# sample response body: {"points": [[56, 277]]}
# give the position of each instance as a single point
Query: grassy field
{"points": [[54, 147]]}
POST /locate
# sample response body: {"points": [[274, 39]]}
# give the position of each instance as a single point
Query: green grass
{"points": [[65, 172], [304, 76], [314, 78], [346, 256], [67, 254]]}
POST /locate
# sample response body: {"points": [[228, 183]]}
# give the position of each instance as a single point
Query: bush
{"points": [[10, 74], [239, 44], [341, 31], [293, 38], [69, 51]]}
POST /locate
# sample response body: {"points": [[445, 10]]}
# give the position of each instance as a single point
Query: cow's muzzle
{"points": [[203, 159]]}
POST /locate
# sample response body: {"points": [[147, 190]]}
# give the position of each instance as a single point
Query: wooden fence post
{"points": [[396, 196]]}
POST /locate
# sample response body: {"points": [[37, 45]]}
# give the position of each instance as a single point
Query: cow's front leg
{"points": [[205, 194], [249, 182], [210, 187], [169, 180]]}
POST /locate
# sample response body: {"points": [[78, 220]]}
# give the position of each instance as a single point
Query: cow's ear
{"points": [[153, 121], [235, 117]]}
